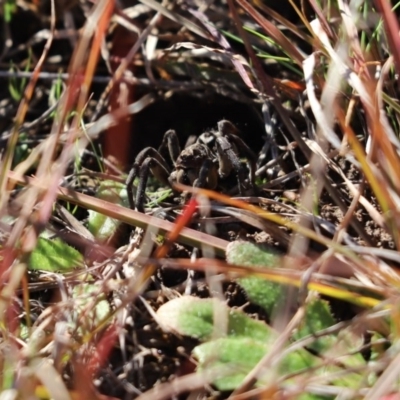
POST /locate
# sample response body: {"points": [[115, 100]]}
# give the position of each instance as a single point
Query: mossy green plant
{"points": [[54, 255], [233, 343]]}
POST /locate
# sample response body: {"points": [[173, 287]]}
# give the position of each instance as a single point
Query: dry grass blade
{"points": [[266, 86], [352, 37], [50, 378], [176, 17], [127, 60], [269, 216], [373, 212], [224, 56], [48, 172], [321, 18], [270, 358], [137, 283], [283, 21], [318, 217], [324, 120], [386, 380], [365, 87], [9, 287], [187, 383], [134, 218], [338, 288], [93, 130], [21, 113], [274, 32], [223, 42], [392, 29], [373, 175], [381, 273]]}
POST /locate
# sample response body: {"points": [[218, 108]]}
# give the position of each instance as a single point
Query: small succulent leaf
{"points": [[250, 254], [101, 226], [259, 291], [235, 357], [54, 255], [341, 347], [267, 295], [194, 317], [318, 317]]}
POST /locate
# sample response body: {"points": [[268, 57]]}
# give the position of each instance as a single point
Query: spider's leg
{"points": [[231, 133], [246, 152], [227, 157], [171, 142], [141, 188], [228, 160], [192, 139], [129, 184], [208, 175], [150, 152], [226, 128], [160, 171]]}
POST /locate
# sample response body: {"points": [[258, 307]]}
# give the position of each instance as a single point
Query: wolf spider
{"points": [[213, 156]]}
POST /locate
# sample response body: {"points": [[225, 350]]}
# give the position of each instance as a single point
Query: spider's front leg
{"points": [[246, 152], [148, 160], [228, 160], [228, 148], [171, 142], [208, 175]]}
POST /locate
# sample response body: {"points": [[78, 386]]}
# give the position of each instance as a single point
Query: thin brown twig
{"points": [[21, 113], [130, 217]]}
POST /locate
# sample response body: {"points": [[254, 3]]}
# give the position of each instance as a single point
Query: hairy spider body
{"points": [[189, 164], [212, 157]]}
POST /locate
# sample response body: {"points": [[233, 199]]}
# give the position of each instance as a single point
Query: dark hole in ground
{"points": [[192, 116]]}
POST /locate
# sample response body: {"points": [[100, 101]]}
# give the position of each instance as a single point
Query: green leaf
{"points": [[54, 255], [230, 353], [194, 317], [15, 94], [318, 317], [259, 291], [227, 357], [250, 254], [234, 357], [342, 346], [101, 226]]}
